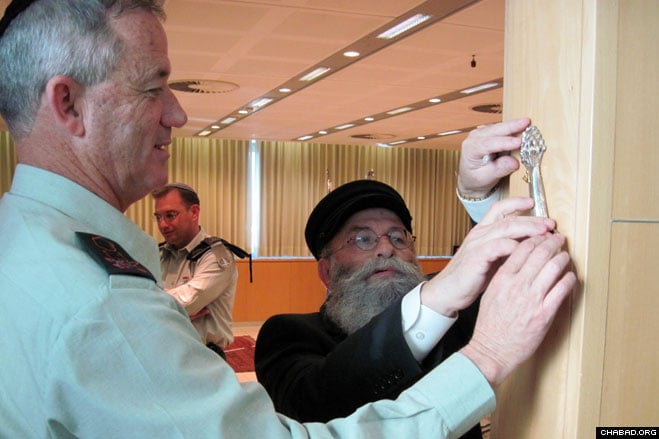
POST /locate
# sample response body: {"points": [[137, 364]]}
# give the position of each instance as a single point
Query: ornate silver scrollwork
{"points": [[531, 151]]}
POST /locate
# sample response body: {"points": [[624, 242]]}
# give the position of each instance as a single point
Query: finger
{"points": [[557, 295], [551, 272], [541, 255], [519, 258], [504, 165], [490, 141], [506, 128], [480, 145], [506, 207]]}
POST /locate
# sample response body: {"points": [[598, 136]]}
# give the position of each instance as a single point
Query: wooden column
{"points": [[586, 72]]}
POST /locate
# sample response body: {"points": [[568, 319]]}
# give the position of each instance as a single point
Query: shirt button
{"points": [[420, 335]]}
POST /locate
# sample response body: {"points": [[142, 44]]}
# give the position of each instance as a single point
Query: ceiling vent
{"points": [[205, 86], [488, 108], [374, 136]]}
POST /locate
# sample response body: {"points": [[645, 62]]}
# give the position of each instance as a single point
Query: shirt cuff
{"points": [[422, 327], [478, 209], [459, 392]]}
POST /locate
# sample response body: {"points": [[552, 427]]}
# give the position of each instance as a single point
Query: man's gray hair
{"points": [[58, 37]]}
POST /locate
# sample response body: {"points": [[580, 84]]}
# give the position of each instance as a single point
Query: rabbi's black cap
{"points": [[332, 212]]}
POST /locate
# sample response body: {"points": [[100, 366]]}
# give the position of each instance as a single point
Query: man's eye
{"points": [[363, 239], [396, 239]]}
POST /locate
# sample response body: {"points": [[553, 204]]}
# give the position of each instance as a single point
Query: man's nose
{"points": [[384, 247]]}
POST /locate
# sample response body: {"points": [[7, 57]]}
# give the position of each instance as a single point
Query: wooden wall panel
{"points": [[636, 190], [544, 79], [598, 365], [631, 363], [288, 286]]}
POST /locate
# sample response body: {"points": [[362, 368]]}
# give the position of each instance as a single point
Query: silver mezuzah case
{"points": [[533, 146]]}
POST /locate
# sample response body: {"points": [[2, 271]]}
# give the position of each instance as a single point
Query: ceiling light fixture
{"points": [[404, 26], [285, 90], [399, 110], [314, 74], [343, 127], [215, 127], [397, 142], [204, 133], [305, 138], [479, 88], [448, 133], [261, 103], [414, 106], [351, 54], [228, 120]]}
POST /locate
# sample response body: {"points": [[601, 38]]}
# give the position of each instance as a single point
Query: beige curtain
{"points": [[294, 178]]}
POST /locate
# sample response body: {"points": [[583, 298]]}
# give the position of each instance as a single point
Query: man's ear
{"points": [[324, 266], [195, 209], [64, 96]]}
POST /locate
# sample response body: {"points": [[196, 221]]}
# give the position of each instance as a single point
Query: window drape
{"points": [[293, 178]]}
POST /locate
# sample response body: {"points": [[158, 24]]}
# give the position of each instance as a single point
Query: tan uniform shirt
{"points": [[209, 283]]}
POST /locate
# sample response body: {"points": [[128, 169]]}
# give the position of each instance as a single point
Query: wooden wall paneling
{"points": [[630, 381], [593, 215], [280, 286], [288, 286], [598, 365], [636, 190], [543, 80], [631, 365]]}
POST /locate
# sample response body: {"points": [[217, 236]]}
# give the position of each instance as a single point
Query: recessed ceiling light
{"points": [[204, 133], [215, 127], [343, 127], [351, 54], [399, 110], [479, 88], [285, 90], [369, 119], [305, 138], [315, 74], [322, 132], [243, 111], [203, 86], [421, 137], [448, 133], [397, 142], [434, 100], [228, 120], [404, 26]]}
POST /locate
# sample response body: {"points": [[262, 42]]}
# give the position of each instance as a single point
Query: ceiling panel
{"points": [[261, 44]]}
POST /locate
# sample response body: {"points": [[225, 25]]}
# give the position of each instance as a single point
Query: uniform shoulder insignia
{"points": [[198, 251], [209, 242], [112, 256]]}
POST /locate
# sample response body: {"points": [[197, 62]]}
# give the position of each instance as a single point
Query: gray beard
{"points": [[355, 299]]}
